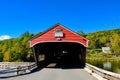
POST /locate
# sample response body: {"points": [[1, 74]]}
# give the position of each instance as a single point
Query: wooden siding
{"points": [[69, 36]]}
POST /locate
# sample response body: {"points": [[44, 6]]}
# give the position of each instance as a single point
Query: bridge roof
{"points": [[58, 33]]}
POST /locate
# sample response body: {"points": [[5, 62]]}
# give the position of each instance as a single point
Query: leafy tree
{"points": [[7, 56], [4, 48], [81, 33], [1, 56], [110, 38], [116, 43]]}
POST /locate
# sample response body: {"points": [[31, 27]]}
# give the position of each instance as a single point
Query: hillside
{"points": [[17, 49], [109, 38]]}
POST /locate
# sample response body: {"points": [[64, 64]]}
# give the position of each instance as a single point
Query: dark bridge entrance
{"points": [[61, 48], [63, 54]]}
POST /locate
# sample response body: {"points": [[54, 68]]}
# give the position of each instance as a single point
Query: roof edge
{"points": [[45, 31], [55, 26]]}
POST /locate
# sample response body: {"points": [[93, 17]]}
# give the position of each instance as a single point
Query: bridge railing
{"points": [[19, 70], [103, 73], [24, 69]]}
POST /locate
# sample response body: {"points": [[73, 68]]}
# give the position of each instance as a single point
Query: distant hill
{"points": [[110, 38], [16, 49]]}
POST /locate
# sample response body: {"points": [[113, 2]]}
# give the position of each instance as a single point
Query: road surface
{"points": [[55, 74]]}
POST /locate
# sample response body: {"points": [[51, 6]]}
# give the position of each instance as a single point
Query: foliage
{"points": [[1, 56], [110, 38], [7, 56], [16, 49], [81, 33]]}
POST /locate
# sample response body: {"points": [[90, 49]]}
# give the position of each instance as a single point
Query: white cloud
{"points": [[3, 37]]}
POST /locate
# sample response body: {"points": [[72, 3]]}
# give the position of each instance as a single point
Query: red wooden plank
{"points": [[69, 36]]}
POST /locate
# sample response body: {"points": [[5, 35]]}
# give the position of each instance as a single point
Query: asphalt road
{"points": [[55, 74]]}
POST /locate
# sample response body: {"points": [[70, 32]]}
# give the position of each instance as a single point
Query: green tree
{"points": [[7, 56], [81, 33], [1, 56], [5, 47], [116, 43]]}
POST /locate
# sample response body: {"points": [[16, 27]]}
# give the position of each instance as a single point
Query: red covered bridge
{"points": [[61, 46]]}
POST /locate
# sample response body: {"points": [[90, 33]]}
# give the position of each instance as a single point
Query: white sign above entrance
{"points": [[58, 33]]}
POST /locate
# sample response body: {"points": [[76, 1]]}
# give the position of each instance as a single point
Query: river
{"points": [[107, 64]]}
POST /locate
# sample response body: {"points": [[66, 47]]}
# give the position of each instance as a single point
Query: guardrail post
{"points": [[18, 69]]}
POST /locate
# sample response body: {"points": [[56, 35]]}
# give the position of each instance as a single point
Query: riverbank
{"points": [[105, 62]]}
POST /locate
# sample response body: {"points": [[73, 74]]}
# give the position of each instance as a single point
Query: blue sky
{"points": [[19, 16]]}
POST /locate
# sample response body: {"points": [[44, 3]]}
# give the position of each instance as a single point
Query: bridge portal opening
{"points": [[60, 54]]}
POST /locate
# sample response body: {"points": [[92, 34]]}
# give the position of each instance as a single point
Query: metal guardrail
{"points": [[19, 70], [22, 70], [103, 73], [9, 65]]}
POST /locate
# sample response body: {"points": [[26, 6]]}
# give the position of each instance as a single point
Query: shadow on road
{"points": [[43, 64]]}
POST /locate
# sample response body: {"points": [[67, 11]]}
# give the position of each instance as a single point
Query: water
{"points": [[110, 65]]}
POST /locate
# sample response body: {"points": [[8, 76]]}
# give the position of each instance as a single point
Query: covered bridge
{"points": [[61, 46]]}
